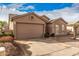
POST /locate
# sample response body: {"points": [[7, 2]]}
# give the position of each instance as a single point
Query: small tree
{"points": [[75, 29], [2, 24]]}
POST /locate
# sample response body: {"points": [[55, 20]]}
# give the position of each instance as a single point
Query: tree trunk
{"points": [[75, 32]]}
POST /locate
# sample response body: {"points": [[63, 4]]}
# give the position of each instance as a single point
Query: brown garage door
{"points": [[24, 31]]}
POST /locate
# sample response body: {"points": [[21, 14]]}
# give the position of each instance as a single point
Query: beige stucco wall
{"points": [[28, 19], [11, 25], [52, 28], [25, 19], [11, 22]]}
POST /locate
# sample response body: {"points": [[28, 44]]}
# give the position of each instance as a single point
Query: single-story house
{"points": [[57, 27], [29, 25]]}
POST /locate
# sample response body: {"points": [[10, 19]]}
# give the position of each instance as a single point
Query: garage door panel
{"points": [[24, 31]]}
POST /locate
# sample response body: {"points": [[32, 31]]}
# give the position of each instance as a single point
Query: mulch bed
{"points": [[6, 39]]}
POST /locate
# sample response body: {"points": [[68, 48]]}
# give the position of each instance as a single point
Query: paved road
{"points": [[57, 46]]}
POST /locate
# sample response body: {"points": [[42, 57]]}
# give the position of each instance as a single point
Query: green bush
{"points": [[52, 35], [6, 34], [1, 34], [11, 35]]}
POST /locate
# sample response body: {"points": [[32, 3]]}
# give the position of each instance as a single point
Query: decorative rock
{"points": [[10, 49], [2, 51], [13, 49]]}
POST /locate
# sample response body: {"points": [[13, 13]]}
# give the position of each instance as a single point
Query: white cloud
{"points": [[70, 14], [4, 12], [15, 5], [30, 7]]}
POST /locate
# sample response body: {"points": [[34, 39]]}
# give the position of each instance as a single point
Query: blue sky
{"points": [[41, 6], [68, 11], [45, 6]]}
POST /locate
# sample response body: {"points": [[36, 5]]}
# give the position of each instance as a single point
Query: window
{"points": [[57, 28], [63, 27]]}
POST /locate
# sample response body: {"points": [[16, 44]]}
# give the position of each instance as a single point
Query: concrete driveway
{"points": [[57, 46]]}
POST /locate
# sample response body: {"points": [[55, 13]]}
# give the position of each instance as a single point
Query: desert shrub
{"points": [[1, 35], [46, 34], [11, 34], [69, 32], [52, 35]]}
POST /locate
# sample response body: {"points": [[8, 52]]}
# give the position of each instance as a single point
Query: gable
{"points": [[30, 18], [59, 20], [45, 18], [12, 15]]}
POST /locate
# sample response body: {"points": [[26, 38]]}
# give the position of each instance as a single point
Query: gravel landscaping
{"points": [[11, 47]]}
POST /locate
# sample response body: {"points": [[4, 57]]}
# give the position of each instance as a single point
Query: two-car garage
{"points": [[24, 30]]}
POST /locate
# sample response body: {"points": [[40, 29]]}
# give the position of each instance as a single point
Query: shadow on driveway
{"points": [[23, 49]]}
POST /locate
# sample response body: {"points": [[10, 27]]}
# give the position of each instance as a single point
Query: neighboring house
{"points": [[29, 25], [10, 23], [57, 27], [70, 29], [77, 27]]}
